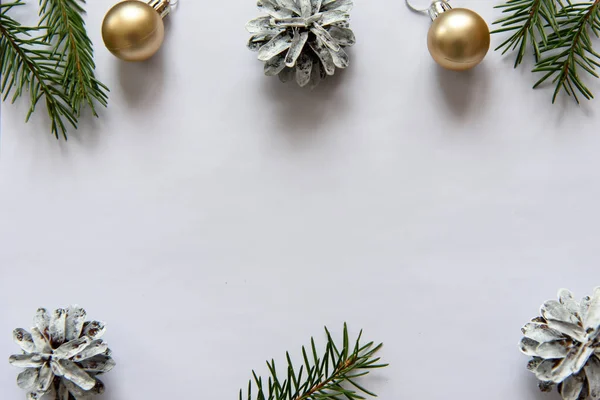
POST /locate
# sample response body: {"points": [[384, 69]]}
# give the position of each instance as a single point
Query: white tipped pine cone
{"points": [[302, 39], [62, 356], [565, 345]]}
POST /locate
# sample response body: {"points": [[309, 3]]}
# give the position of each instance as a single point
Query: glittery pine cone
{"points": [[565, 345], [62, 356], [302, 39]]}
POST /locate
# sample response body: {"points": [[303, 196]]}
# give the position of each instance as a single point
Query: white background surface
{"points": [[215, 218]]}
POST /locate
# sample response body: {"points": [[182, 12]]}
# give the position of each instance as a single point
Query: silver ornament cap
{"points": [[438, 7]]}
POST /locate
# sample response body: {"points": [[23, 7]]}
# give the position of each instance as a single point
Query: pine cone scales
{"points": [[62, 355], [565, 345], [302, 39]]}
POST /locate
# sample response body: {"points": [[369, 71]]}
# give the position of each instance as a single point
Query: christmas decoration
{"points": [[458, 38], [302, 39], [134, 30], [54, 62], [558, 32], [565, 345], [321, 376], [62, 356]]}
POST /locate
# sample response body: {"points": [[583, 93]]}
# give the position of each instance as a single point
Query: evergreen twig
{"points": [[560, 34], [29, 63], [53, 61], [66, 30], [569, 51], [329, 376], [527, 19]]}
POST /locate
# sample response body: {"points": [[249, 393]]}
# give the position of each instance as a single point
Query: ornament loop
{"points": [[433, 6]]}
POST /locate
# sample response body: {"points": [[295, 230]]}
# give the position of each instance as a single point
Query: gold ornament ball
{"points": [[458, 39], [133, 31]]}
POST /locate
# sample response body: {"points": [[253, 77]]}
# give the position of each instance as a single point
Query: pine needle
{"points": [[68, 34], [327, 376], [28, 63], [560, 35], [53, 62], [528, 20], [569, 51]]}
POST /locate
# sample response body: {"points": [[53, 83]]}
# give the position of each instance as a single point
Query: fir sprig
{"points": [[53, 62], [28, 63], [560, 34], [570, 50], [528, 21], [329, 376], [66, 30]]}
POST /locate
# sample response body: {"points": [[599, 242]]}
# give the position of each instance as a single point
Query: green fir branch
{"points": [[561, 37], [66, 30], [329, 376], [527, 20], [28, 63], [53, 62], [569, 51]]}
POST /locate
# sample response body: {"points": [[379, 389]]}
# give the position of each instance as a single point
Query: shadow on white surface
{"points": [[90, 129], [564, 104], [462, 89], [529, 384], [301, 112], [142, 82]]}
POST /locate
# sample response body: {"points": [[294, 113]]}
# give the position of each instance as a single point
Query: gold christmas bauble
{"points": [[133, 30], [458, 39]]}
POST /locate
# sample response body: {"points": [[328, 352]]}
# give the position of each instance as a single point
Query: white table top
{"points": [[215, 218]]}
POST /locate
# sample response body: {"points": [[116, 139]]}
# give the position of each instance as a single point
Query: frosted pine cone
{"points": [[565, 345], [62, 355], [302, 39]]}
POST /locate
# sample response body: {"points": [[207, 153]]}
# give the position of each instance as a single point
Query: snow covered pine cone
{"points": [[302, 39], [62, 355], [565, 345]]}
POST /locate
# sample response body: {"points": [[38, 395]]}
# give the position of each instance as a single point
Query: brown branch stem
{"points": [[583, 25], [73, 50], [350, 362]]}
